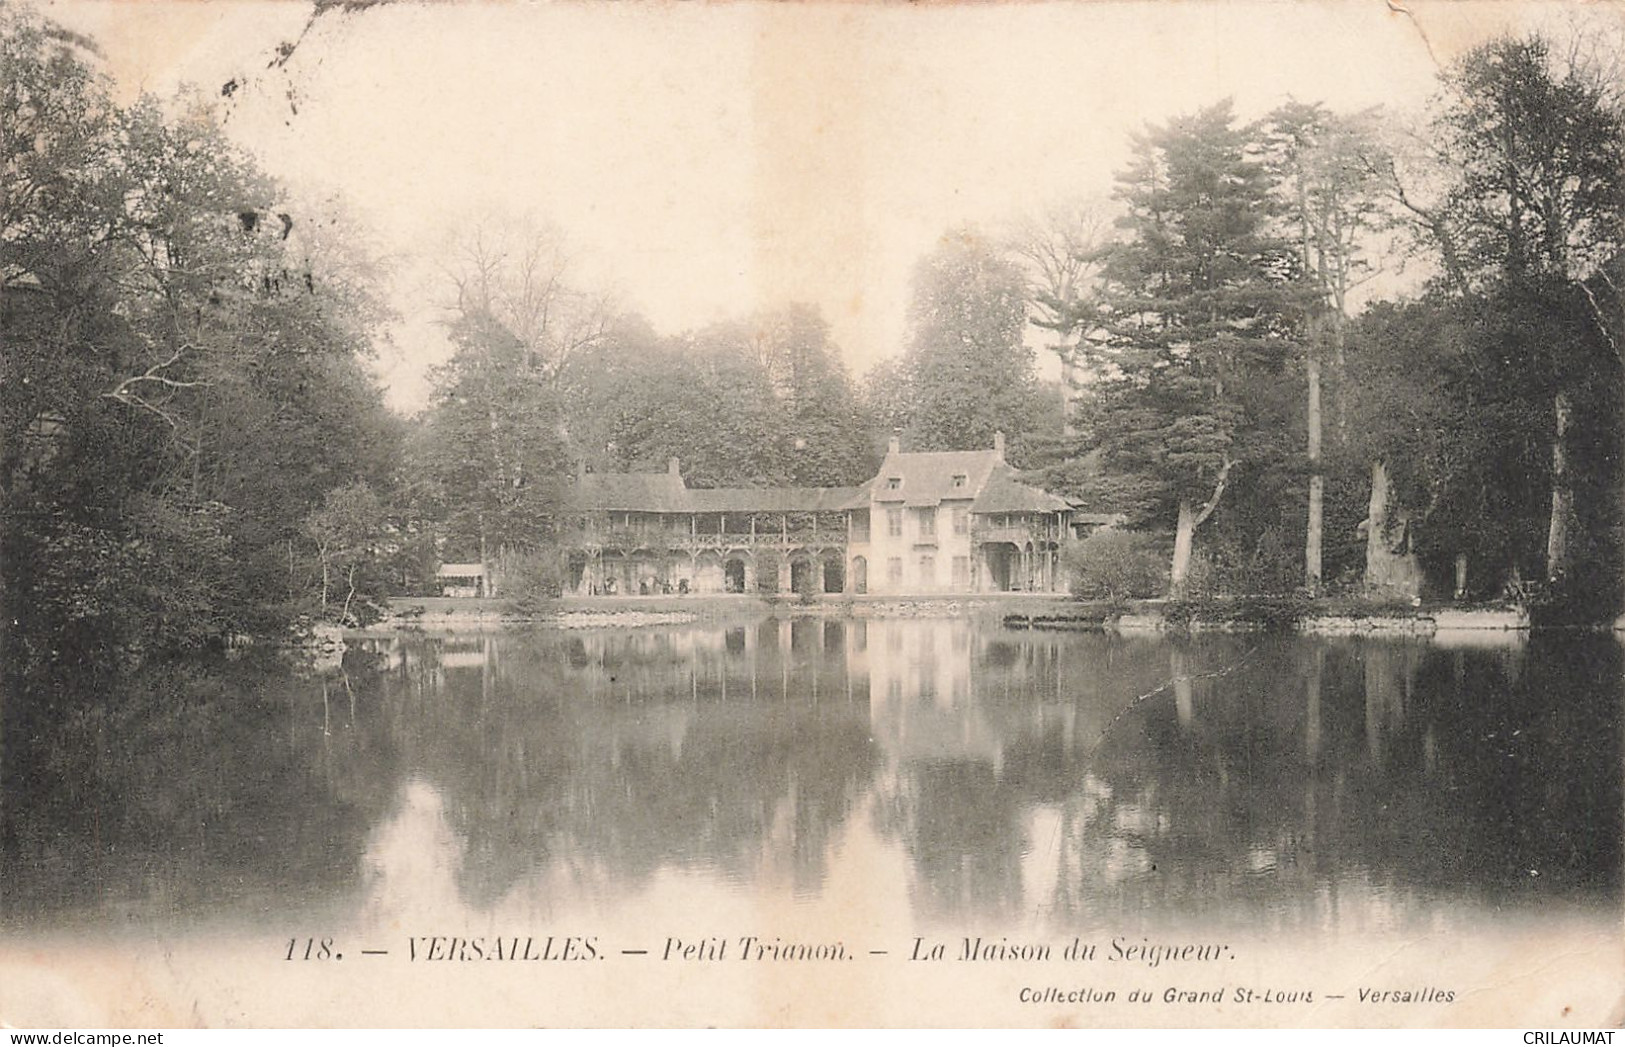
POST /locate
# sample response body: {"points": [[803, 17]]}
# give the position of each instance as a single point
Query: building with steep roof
{"points": [[942, 522], [960, 522]]}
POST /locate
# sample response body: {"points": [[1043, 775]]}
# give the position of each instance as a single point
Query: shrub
{"points": [[1268, 613], [529, 579], [1270, 562], [767, 570], [1116, 565]]}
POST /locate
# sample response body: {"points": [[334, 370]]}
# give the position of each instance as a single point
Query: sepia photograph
{"points": [[570, 514]]}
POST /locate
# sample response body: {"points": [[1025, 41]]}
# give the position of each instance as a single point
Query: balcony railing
{"points": [[1014, 534], [620, 538]]}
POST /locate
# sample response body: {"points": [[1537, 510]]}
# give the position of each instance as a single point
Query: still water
{"points": [[874, 781]]}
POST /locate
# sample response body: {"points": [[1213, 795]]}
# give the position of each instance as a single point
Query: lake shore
{"points": [[435, 614], [1016, 610]]}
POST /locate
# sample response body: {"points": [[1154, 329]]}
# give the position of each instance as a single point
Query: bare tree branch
{"points": [[151, 375], [1598, 316], [1218, 492]]}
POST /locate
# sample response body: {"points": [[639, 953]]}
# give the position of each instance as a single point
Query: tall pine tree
{"points": [[1204, 307]]}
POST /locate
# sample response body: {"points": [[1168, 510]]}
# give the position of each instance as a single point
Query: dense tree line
{"points": [[966, 371], [1224, 386], [1464, 443], [762, 401], [193, 447], [185, 376]]}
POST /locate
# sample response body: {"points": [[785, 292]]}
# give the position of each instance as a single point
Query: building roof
{"points": [[926, 479], [461, 570], [631, 492], [1004, 492], [776, 499], [928, 476], [667, 493]]}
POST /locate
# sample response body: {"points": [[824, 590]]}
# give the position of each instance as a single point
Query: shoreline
{"points": [[1015, 610], [446, 614]]}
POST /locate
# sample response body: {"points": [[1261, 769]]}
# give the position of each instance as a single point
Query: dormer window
{"points": [[894, 483], [959, 480]]}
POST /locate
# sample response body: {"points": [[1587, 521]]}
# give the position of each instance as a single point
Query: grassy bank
{"points": [[1327, 616], [461, 612]]}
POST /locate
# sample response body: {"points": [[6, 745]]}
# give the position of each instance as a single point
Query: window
{"points": [[928, 523], [894, 523], [961, 572], [959, 480], [894, 483], [928, 570], [894, 570], [961, 521]]}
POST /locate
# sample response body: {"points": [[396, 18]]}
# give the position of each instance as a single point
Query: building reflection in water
{"points": [[1091, 779], [412, 862], [964, 772]]}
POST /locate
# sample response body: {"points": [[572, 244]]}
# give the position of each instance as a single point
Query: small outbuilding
{"points": [[467, 580]]}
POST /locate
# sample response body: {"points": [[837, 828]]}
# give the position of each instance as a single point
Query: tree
{"points": [[347, 532], [824, 440], [887, 398], [519, 326], [498, 452], [968, 371], [1531, 217], [1415, 432], [755, 402], [1202, 314], [519, 276], [190, 368], [1061, 252], [1325, 166], [705, 397]]}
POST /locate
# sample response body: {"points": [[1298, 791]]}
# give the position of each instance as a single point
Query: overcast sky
{"points": [[708, 158]]}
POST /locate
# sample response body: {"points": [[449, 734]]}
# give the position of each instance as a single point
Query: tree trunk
{"points": [[1390, 566], [485, 561], [1184, 536], [1190, 518], [1068, 377], [345, 614], [1315, 261], [1317, 483], [1376, 521], [1557, 533]]}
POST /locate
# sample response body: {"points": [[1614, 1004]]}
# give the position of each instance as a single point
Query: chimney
{"points": [[895, 445], [672, 465], [998, 444]]}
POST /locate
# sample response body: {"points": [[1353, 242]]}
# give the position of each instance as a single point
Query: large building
{"points": [[932, 522]]}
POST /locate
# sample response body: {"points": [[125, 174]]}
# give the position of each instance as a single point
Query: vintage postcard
{"points": [[568, 514]]}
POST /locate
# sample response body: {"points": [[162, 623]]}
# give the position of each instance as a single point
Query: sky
{"points": [[708, 159]]}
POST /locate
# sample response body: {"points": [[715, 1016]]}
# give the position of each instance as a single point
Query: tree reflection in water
{"points": [[187, 794], [1092, 780]]}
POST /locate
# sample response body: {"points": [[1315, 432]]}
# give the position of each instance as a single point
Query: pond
{"points": [[781, 820]]}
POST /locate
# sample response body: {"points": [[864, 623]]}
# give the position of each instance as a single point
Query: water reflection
{"points": [[1074, 781]]}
